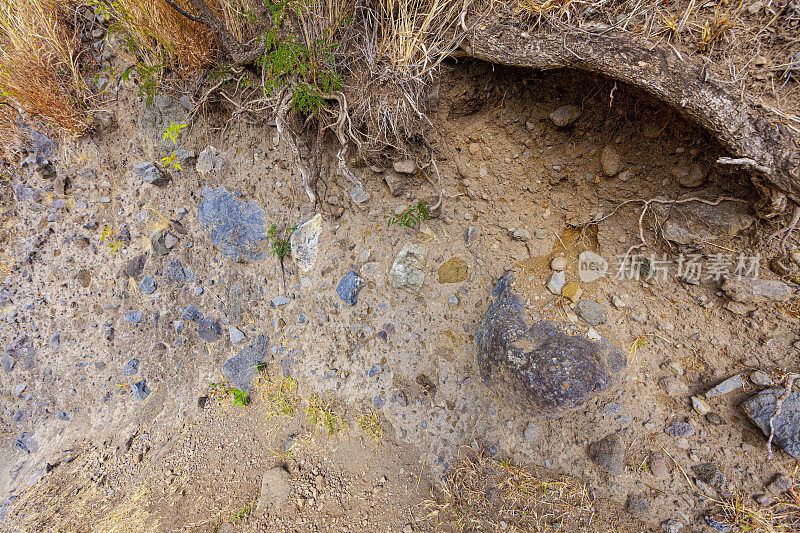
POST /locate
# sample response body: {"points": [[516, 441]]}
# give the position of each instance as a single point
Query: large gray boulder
{"points": [[535, 364], [154, 119], [763, 406], [241, 369], [237, 228]]}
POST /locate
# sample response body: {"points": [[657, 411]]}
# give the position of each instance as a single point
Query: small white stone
{"points": [[556, 282], [700, 405]]}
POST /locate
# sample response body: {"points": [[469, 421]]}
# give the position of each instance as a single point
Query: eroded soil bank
{"points": [[175, 453]]}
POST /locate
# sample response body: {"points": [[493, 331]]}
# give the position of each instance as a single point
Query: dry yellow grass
{"points": [[482, 491], [159, 36], [741, 511], [40, 71], [44, 67]]}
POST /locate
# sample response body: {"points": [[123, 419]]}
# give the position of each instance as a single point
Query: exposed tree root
{"points": [[241, 54], [786, 231], [754, 138], [307, 178], [343, 118], [790, 378], [642, 241]]}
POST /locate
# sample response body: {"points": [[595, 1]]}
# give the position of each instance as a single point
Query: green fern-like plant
{"points": [[310, 67], [240, 397], [412, 216], [280, 247]]}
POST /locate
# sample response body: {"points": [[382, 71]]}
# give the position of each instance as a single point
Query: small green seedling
{"points": [[246, 510], [262, 366], [173, 133], [108, 235], [280, 247], [240, 397], [412, 216], [172, 161]]}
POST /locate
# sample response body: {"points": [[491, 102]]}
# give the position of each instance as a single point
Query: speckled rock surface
{"points": [[237, 228], [533, 362], [761, 407]]}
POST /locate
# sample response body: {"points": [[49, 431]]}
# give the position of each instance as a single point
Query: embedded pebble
{"points": [[729, 385], [236, 335], [134, 317], [558, 263], [592, 312], [679, 429], [556, 282], [761, 379], [192, 313], [148, 285], [131, 367], [700, 405]]}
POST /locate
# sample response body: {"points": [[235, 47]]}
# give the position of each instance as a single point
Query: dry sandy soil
{"points": [[185, 458]]}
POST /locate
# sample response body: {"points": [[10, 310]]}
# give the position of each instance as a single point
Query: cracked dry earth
{"points": [[358, 411]]}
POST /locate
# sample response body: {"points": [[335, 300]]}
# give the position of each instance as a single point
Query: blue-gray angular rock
{"points": [[238, 229], [43, 146], [8, 362], [148, 285], [531, 362], [241, 368], [679, 429], [174, 272], [20, 351], [62, 415], [131, 367], [209, 329], [717, 525], [150, 173], [191, 313], [348, 288], [140, 390], [592, 312], [763, 406], [281, 300], [178, 326], [236, 335], [134, 317], [731, 384], [25, 443], [55, 341]]}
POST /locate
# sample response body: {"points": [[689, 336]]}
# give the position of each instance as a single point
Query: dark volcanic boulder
{"points": [[763, 406], [241, 369], [533, 362], [237, 228]]}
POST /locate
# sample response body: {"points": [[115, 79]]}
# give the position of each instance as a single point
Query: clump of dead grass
{"points": [[400, 50], [742, 512], [40, 69], [748, 44], [157, 35], [480, 491], [278, 393]]}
